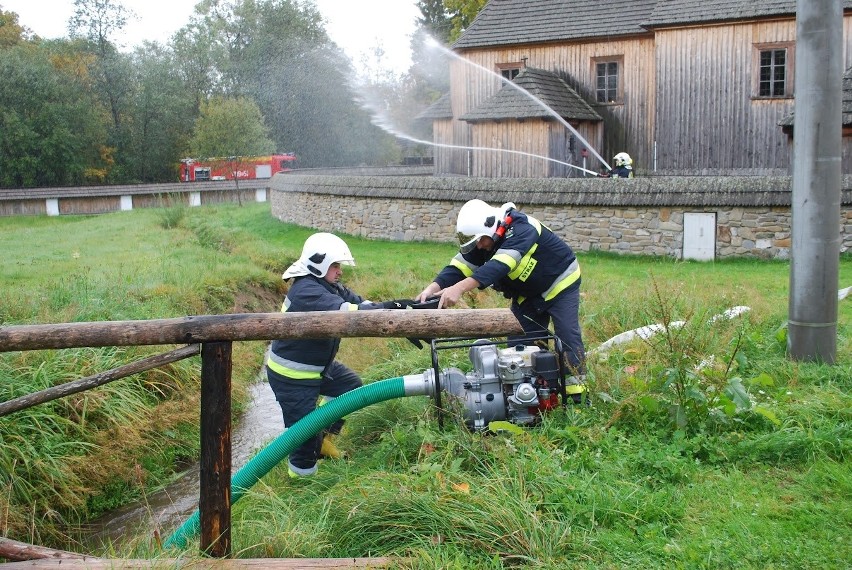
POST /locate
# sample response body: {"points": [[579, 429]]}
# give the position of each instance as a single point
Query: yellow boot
{"points": [[328, 449]]}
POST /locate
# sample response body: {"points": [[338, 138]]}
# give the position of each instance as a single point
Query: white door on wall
{"points": [[699, 236]]}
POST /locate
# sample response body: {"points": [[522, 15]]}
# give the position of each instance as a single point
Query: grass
{"points": [[706, 447]]}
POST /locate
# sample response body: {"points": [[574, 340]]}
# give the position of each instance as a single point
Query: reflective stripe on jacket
{"points": [[306, 359], [528, 261]]}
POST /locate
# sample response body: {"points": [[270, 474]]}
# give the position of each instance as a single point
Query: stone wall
{"points": [[641, 216]]}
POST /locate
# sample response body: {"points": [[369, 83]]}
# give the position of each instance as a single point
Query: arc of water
{"points": [[432, 42], [380, 119]]}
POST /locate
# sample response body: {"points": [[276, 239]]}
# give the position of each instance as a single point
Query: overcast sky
{"points": [[355, 25]]}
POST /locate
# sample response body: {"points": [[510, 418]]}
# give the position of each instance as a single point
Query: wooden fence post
{"points": [[214, 504]]}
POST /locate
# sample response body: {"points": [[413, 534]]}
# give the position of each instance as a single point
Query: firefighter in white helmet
{"points": [[301, 371], [623, 167], [520, 257]]}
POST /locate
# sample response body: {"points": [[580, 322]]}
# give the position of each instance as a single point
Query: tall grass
{"points": [[705, 446]]}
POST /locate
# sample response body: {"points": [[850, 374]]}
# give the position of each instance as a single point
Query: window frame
{"points": [[789, 69], [619, 88], [516, 66]]}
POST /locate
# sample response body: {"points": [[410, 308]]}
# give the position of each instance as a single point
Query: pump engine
{"points": [[514, 384]]}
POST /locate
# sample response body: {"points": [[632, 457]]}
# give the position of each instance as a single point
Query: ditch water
{"points": [[165, 510]]}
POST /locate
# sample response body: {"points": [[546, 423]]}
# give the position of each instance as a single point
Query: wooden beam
{"points": [[207, 564], [96, 380], [214, 505], [263, 326], [14, 550]]}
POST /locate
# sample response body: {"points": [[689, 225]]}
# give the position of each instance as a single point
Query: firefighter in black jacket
{"points": [[519, 256], [300, 371]]}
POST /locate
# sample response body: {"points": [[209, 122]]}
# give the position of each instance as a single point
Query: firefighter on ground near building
{"points": [[303, 372], [520, 257]]}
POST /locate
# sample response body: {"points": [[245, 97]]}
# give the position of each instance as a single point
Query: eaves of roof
{"points": [[690, 12], [513, 22], [519, 22], [788, 120], [535, 93], [440, 109]]}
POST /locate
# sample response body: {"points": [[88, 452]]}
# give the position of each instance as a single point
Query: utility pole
{"points": [[815, 247]]}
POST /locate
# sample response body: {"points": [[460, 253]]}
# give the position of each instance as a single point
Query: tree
{"points": [[435, 20], [160, 116], [11, 33], [96, 23], [278, 54], [52, 132], [463, 12], [230, 127]]}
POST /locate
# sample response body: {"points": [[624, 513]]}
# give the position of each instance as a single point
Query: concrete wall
{"points": [[639, 216]]}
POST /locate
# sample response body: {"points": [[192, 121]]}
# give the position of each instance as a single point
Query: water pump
{"points": [[513, 384]]}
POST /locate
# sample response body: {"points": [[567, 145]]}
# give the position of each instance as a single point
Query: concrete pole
{"points": [[812, 321]]}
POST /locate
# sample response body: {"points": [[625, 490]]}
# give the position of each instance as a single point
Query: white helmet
{"points": [[319, 252], [622, 159], [477, 219]]}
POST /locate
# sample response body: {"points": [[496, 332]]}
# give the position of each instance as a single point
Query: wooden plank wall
{"points": [[632, 121], [705, 84], [698, 81]]}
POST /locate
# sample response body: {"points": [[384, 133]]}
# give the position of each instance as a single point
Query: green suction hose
{"points": [[300, 432]]}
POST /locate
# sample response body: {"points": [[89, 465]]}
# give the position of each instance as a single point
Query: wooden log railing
{"points": [[215, 334]]}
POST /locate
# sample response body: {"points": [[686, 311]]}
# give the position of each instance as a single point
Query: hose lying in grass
{"points": [[304, 429]]}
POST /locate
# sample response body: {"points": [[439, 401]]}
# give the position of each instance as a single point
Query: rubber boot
{"points": [[575, 388], [328, 449]]}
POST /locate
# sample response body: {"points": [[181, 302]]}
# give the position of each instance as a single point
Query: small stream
{"points": [[168, 508]]}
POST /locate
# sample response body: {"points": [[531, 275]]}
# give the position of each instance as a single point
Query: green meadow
{"points": [[705, 446]]}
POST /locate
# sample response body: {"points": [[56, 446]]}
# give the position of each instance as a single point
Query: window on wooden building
{"points": [[773, 71], [510, 71], [607, 72]]}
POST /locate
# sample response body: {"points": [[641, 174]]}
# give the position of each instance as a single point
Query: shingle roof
{"points": [[514, 22], [669, 12], [440, 109], [847, 103], [507, 22], [513, 103]]}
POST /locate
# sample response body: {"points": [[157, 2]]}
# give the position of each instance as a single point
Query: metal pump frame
{"points": [[438, 344]]}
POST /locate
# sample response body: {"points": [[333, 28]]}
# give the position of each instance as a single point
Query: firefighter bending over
{"points": [[520, 257], [300, 371]]}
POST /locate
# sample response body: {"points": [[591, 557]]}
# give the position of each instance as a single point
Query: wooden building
{"points": [[683, 86]]}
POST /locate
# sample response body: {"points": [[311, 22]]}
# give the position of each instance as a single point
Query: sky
{"points": [[355, 25]]}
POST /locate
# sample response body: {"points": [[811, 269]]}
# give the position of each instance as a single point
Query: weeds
{"points": [[705, 447]]}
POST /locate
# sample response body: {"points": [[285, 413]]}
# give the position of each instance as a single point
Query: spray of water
{"points": [[432, 43], [381, 119]]}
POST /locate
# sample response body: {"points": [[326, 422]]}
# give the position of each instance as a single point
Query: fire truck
{"points": [[239, 167]]}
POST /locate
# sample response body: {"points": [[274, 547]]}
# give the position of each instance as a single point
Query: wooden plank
{"points": [[214, 505], [96, 380], [221, 564], [385, 323]]}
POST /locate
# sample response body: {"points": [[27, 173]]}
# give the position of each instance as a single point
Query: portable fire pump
{"points": [[514, 384]]}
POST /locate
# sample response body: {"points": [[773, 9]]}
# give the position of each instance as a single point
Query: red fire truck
{"points": [[240, 167]]}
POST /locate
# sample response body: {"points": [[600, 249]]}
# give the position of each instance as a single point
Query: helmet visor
{"points": [[467, 242]]}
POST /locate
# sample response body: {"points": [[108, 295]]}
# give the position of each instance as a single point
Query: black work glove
{"points": [[397, 304], [430, 303]]}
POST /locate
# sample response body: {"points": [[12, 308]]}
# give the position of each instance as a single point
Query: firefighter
{"points": [[623, 167], [303, 372], [520, 257]]}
